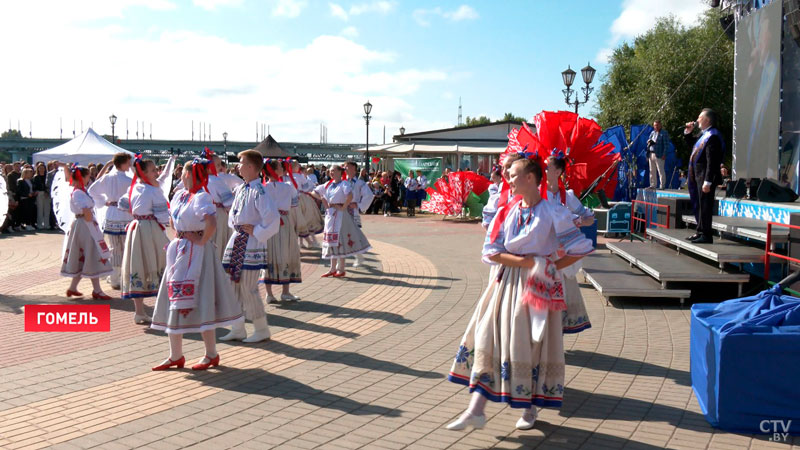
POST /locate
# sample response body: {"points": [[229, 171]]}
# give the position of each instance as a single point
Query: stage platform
{"points": [[731, 207], [722, 251], [743, 227], [665, 265], [613, 277]]}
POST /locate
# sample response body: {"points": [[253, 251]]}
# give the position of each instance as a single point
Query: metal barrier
{"points": [[647, 217], [768, 248]]}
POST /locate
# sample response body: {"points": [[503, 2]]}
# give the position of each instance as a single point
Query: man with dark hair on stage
{"points": [[704, 173]]}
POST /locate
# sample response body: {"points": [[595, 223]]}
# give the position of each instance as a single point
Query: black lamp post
{"points": [[569, 77], [367, 110], [225, 138], [113, 119], [402, 130]]}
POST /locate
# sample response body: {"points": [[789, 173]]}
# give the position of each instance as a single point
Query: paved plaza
{"points": [[358, 363]]}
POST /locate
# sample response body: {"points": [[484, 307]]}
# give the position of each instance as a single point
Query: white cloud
{"points": [[289, 8], [380, 7], [638, 16], [211, 5], [291, 89], [338, 11], [464, 12], [350, 32]]}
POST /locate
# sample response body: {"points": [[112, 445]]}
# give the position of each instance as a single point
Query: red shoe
{"points": [[179, 363], [100, 296], [339, 274], [214, 362], [329, 274], [73, 293]]}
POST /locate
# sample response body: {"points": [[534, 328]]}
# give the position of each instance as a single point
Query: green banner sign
{"points": [[430, 167]]}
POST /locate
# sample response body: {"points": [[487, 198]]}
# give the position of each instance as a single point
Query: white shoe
{"points": [[467, 420], [261, 333], [271, 299], [141, 319], [289, 298], [356, 263], [237, 333], [526, 422]]}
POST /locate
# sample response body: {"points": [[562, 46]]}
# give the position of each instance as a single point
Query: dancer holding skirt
{"points": [[144, 259], [342, 238], [283, 249], [85, 253], [575, 318], [195, 295], [513, 349], [362, 199]]}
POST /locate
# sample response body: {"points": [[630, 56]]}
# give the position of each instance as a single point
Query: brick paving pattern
{"points": [[358, 363]]}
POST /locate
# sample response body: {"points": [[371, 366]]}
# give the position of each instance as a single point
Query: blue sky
{"points": [[294, 64]]}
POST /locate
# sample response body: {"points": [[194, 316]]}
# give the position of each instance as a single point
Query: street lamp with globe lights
{"points": [[113, 119], [568, 76], [367, 111]]}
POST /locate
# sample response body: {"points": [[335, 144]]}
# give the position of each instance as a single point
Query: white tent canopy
{"points": [[88, 147]]}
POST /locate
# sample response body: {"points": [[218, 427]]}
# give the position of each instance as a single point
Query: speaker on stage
{"points": [[678, 207], [737, 189], [752, 188], [770, 190]]}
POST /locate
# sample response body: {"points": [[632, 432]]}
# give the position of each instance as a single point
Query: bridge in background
{"points": [[23, 148]]}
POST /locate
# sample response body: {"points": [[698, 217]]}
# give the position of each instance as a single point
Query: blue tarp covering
{"points": [[745, 362], [634, 157]]}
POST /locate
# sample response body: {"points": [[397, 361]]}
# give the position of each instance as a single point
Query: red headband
{"points": [[200, 175], [209, 155], [77, 175], [287, 166]]}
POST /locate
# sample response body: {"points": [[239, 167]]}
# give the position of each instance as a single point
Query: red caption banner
{"points": [[68, 318]]}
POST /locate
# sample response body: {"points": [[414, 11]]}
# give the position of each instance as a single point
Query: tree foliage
{"points": [[641, 78], [11, 134], [483, 120]]}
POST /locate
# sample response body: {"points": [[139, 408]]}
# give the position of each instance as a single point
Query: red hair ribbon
{"points": [[200, 174], [75, 170], [269, 170], [287, 167], [209, 155], [138, 172]]}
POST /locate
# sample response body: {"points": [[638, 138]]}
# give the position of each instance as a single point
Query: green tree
{"points": [[510, 116], [641, 77], [11, 134], [472, 121]]}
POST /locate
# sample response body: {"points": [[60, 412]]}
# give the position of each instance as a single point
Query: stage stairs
{"points": [[669, 266], [743, 227]]}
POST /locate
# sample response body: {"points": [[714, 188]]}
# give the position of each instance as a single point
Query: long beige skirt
{"points": [[283, 255], [216, 303], [144, 260], [82, 257], [352, 240], [575, 319], [223, 233], [310, 219], [497, 356]]}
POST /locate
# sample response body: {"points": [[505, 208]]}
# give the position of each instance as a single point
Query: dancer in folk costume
{"points": [[362, 198], [222, 195], [310, 222], [85, 253], [144, 259], [283, 249], [575, 318], [501, 195], [255, 220], [195, 295], [513, 349], [342, 238], [106, 191], [412, 193]]}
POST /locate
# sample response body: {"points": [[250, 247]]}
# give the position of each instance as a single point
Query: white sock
{"points": [[175, 346], [340, 262], [210, 341], [477, 405]]}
